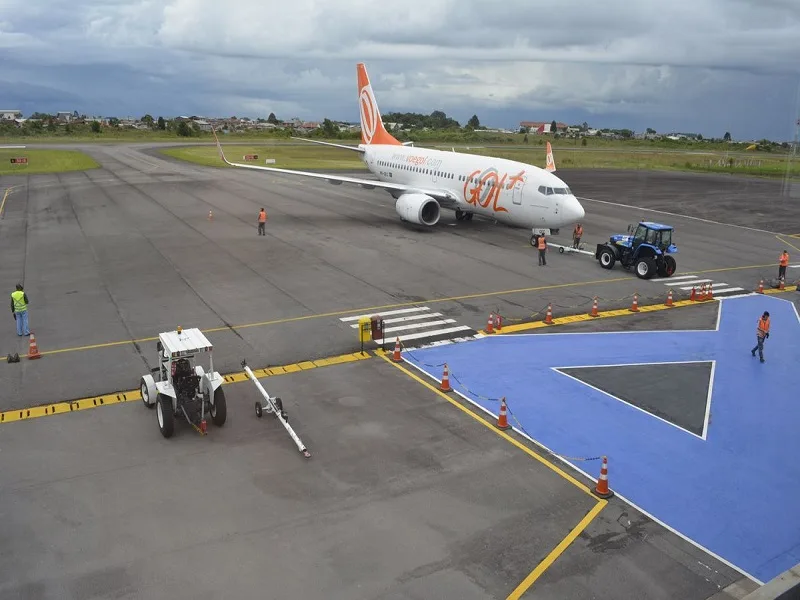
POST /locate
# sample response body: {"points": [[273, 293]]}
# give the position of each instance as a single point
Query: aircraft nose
{"points": [[573, 210]]}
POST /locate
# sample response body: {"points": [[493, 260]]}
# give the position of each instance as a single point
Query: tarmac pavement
{"points": [[388, 507]]}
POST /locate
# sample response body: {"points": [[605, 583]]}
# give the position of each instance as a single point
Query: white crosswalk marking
{"points": [[687, 282], [416, 323]]}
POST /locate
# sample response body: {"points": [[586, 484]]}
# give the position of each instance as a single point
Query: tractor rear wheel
{"points": [[667, 267], [645, 268], [219, 410]]}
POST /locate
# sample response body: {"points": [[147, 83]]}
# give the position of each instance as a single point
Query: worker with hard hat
{"points": [[762, 333], [19, 308]]}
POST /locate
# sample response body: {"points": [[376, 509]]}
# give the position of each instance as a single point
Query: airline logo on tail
{"points": [[372, 130], [551, 163]]}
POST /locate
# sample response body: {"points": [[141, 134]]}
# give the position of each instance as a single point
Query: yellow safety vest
{"points": [[19, 301]]}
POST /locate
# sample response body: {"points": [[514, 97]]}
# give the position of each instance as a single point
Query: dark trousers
{"points": [[542, 259], [759, 346], [576, 242], [261, 229], [781, 272]]}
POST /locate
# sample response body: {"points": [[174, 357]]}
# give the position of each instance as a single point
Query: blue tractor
{"points": [[647, 250]]}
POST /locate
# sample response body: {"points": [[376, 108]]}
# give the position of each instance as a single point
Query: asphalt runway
{"points": [[113, 256]]}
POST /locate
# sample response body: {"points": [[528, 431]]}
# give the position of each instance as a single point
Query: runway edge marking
{"points": [[572, 535], [60, 408]]}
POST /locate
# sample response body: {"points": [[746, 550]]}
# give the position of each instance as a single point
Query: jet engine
{"points": [[418, 208]]}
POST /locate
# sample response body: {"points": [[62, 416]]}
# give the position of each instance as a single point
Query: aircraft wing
{"points": [[445, 198]]}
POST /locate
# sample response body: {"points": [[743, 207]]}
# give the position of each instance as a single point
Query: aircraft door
{"points": [[516, 192]]}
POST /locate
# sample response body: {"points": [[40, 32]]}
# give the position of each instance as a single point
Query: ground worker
{"points": [[262, 219], [541, 244], [784, 262], [762, 333], [19, 308], [576, 236]]}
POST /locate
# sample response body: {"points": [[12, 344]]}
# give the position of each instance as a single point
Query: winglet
{"points": [[219, 146], [551, 163], [372, 129]]}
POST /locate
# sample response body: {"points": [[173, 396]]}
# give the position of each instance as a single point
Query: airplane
{"points": [[424, 180]]}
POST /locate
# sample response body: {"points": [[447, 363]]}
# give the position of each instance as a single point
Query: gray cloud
{"points": [[707, 65]]}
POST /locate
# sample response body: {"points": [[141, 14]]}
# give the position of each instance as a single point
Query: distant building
{"points": [[542, 127], [10, 115]]}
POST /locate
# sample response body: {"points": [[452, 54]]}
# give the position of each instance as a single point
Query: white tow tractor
{"points": [[182, 387]]}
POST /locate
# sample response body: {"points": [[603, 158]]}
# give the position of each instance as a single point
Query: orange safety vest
{"points": [[784, 259], [763, 327], [262, 217], [578, 231], [541, 244]]}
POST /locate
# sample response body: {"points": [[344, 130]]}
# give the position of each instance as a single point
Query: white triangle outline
{"points": [[709, 393]]}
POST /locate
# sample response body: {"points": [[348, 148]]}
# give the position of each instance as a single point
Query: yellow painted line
{"points": [[787, 242], [488, 425], [5, 196], [585, 317], [59, 408], [370, 309], [791, 288], [557, 551]]}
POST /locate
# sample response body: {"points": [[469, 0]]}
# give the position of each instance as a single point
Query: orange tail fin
{"points": [[372, 129], [551, 163]]}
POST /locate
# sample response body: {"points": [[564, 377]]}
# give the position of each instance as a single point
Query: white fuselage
{"points": [[511, 192]]}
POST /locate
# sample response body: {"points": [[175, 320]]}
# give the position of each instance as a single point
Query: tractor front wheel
{"points": [[645, 268], [607, 258]]}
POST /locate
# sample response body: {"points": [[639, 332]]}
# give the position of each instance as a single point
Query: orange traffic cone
{"points": [[490, 323], [710, 295], [761, 287], [693, 297], [502, 419], [445, 386], [548, 318], [669, 299], [396, 356], [594, 308], [780, 284], [704, 294], [635, 305], [33, 349], [498, 320], [210, 216], [601, 490]]}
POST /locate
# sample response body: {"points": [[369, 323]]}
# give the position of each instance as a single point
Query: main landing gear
{"points": [[463, 216]]}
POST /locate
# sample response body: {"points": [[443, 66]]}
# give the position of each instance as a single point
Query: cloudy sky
{"points": [[705, 66]]}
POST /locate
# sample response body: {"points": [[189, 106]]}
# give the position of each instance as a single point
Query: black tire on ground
{"points": [[607, 258], [219, 410], [166, 415], [667, 267], [460, 214], [468, 216], [645, 268], [259, 409]]}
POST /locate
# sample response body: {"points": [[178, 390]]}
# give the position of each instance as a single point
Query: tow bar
{"points": [[275, 406]]}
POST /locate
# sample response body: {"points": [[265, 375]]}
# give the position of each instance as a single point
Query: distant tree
{"points": [[272, 119], [585, 126], [162, 125], [553, 127], [583, 141], [727, 136], [700, 137], [67, 128], [183, 129], [651, 131], [473, 122], [113, 121], [523, 130], [147, 120], [329, 128], [525, 139], [51, 124], [95, 127]]}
